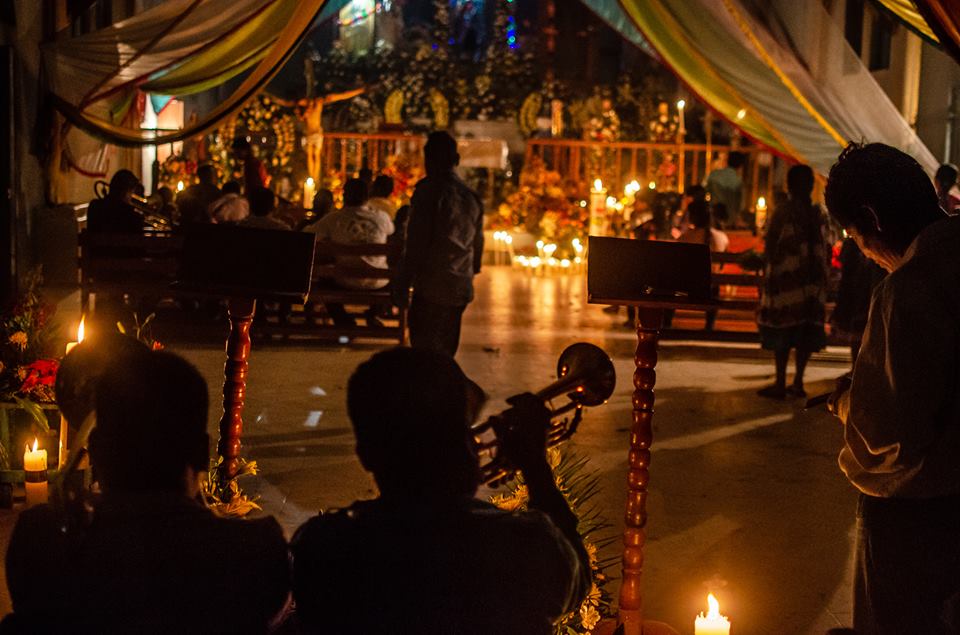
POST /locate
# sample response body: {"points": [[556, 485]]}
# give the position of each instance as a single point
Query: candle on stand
{"points": [[62, 450], [598, 207], [681, 108], [761, 216], [179, 186], [35, 474], [309, 191], [712, 623]]}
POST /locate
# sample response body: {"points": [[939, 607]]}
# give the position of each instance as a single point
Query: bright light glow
{"points": [[652, 185], [549, 249], [761, 203], [742, 113], [535, 261], [598, 185], [611, 201], [35, 444], [714, 610], [179, 186], [540, 244], [583, 203], [681, 105], [564, 263], [712, 623], [80, 330], [508, 239], [310, 181]]}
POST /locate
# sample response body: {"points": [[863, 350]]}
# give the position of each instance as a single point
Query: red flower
{"points": [[42, 372]]}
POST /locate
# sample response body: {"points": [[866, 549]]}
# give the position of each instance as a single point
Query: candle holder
{"points": [[661, 276]]}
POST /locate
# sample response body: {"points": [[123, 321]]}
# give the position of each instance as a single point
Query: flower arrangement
{"points": [[26, 369], [406, 169], [271, 127], [578, 485], [176, 168]]}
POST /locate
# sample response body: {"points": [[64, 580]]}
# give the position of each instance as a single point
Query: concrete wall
{"points": [[940, 77]]}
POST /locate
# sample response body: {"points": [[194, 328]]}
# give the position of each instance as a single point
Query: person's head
{"points": [[322, 203], [411, 411], [241, 148], [151, 432], [382, 186], [882, 198], [440, 153], [699, 214], [695, 193], [366, 175], [262, 201], [736, 160], [79, 371], [123, 185], [165, 194], [231, 187], [800, 182], [946, 177], [354, 193], [207, 174]]}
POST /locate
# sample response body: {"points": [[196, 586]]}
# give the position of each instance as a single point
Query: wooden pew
{"points": [[138, 265], [311, 319]]}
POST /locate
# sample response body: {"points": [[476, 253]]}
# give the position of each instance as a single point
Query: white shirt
{"points": [[356, 226]]}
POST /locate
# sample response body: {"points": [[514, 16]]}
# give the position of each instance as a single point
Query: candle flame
{"points": [[309, 181], [761, 203], [597, 185], [681, 104], [80, 331], [179, 186], [652, 185], [741, 113], [714, 605], [35, 444]]}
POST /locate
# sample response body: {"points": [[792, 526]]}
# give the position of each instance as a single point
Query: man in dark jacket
{"points": [[151, 559], [443, 250]]}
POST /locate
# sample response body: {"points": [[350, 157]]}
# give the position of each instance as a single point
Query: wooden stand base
{"points": [[241, 312]]}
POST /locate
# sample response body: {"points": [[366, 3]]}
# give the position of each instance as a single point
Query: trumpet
{"points": [[143, 206], [585, 374]]}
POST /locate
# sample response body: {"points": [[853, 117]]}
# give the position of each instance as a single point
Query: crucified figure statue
{"points": [[313, 118]]}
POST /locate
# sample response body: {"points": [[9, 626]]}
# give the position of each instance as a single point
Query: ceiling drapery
{"points": [[179, 47], [754, 64]]}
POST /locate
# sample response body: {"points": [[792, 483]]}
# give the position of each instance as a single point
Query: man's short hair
{"points": [[123, 181], [262, 201], [441, 150], [946, 175], [382, 186], [736, 159], [411, 410], [354, 192], [206, 173], [699, 213], [800, 181], [231, 187], [887, 181], [151, 422]]}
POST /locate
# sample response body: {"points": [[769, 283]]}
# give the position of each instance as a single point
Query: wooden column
{"points": [[241, 312], [649, 322]]}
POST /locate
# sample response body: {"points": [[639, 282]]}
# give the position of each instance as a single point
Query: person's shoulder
{"points": [[330, 527]]}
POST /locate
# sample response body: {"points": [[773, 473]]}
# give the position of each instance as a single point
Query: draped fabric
{"points": [[906, 12], [779, 70], [179, 47]]}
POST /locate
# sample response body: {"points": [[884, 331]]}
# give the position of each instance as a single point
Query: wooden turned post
{"points": [[241, 312], [649, 322]]}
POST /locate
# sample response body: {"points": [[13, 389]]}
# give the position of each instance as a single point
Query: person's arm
{"points": [[903, 383], [521, 431], [423, 207]]}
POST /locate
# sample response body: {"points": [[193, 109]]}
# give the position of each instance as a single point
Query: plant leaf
{"points": [[39, 418]]}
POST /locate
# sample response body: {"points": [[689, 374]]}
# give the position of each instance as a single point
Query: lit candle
{"points": [[598, 207], [35, 474], [681, 106], [712, 623], [62, 450], [761, 212], [309, 191], [652, 185], [179, 186]]}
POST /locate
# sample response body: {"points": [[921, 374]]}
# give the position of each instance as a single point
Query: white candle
{"points": [[598, 207], [62, 452], [761, 212], [309, 191], [35, 474], [681, 106], [712, 623]]}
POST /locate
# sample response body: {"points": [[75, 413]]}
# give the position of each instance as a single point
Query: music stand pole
{"points": [[240, 311]]}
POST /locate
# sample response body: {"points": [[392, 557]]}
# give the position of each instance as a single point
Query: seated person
{"points": [[151, 559], [194, 202], [114, 213], [380, 193], [356, 224], [263, 203], [700, 231], [426, 556], [231, 207]]}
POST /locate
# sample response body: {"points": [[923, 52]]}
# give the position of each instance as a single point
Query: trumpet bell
{"points": [[593, 367]]}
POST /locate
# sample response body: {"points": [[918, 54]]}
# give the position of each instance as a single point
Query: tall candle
{"points": [[712, 623], [681, 105], [309, 191], [35, 474], [62, 450], [598, 207]]}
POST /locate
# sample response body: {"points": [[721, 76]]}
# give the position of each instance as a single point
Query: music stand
{"points": [[243, 264], [652, 276]]}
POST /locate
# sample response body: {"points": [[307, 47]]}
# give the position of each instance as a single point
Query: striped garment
{"points": [[796, 268]]}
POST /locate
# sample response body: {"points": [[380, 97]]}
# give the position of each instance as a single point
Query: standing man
{"points": [[901, 409], [254, 174], [443, 250]]}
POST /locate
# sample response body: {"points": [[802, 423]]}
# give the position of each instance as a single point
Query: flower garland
{"points": [[177, 168], [578, 486], [268, 125]]}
